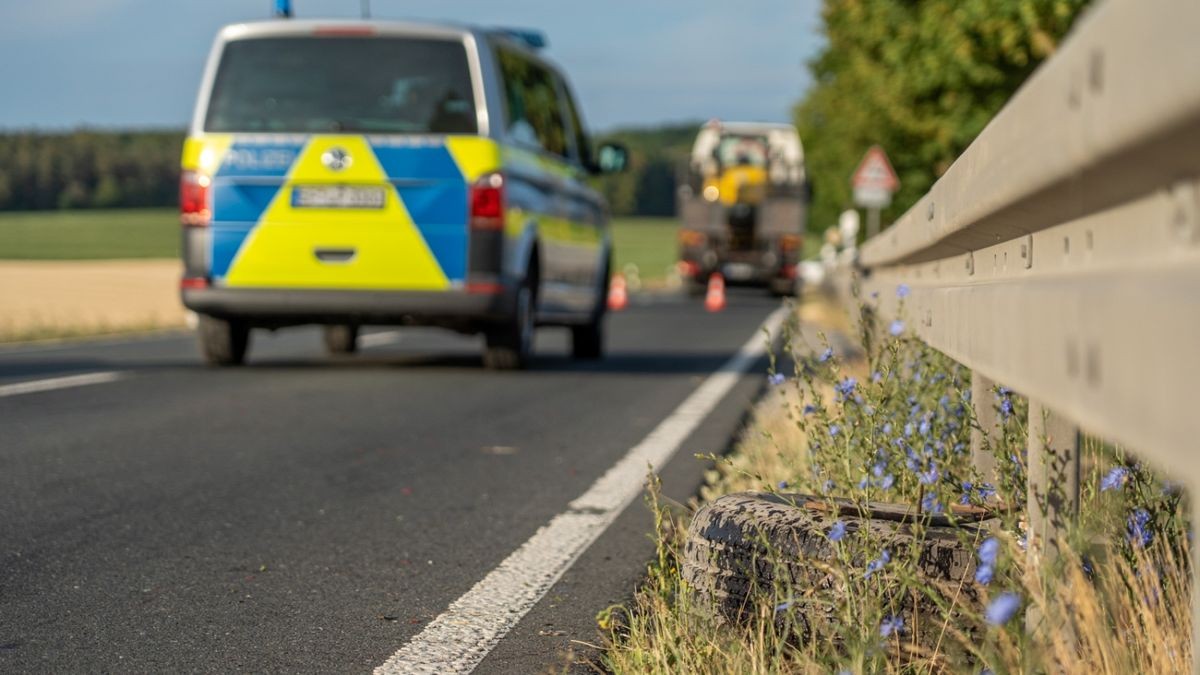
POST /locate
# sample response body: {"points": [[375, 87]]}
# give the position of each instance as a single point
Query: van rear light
{"points": [[194, 208], [193, 283], [486, 203]]}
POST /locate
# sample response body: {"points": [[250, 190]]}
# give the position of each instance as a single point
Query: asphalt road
{"points": [[313, 514]]}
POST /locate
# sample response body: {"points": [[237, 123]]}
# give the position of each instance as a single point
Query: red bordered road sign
{"points": [[874, 180]]}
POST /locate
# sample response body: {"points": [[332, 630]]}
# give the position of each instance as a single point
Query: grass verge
{"points": [[893, 427]]}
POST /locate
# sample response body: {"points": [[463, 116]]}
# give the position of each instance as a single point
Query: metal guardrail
{"points": [[1060, 254]]}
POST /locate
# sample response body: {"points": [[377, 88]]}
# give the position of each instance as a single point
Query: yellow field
{"points": [[63, 298]]}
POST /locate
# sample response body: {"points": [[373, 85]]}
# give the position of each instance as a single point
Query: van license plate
{"points": [[338, 197]]}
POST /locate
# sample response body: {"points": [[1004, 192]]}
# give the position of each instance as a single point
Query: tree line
{"points": [[109, 169], [89, 169]]}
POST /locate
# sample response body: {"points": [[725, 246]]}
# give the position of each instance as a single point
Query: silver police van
{"points": [[354, 173]]}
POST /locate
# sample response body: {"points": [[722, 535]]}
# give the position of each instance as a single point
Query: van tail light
{"points": [[486, 203], [790, 242], [194, 210]]}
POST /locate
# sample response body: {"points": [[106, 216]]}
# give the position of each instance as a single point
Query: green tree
{"points": [[921, 78]]}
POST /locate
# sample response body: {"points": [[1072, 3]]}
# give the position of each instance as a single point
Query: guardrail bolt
{"points": [[970, 264], [929, 214], [1096, 71], [1027, 251], [1185, 211]]}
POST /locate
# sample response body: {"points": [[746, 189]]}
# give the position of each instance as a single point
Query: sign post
{"points": [[874, 183]]}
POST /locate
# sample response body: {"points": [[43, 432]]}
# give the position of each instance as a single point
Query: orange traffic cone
{"points": [[618, 297], [714, 300]]}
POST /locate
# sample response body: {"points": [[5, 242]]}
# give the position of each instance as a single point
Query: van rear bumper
{"points": [[281, 307]]}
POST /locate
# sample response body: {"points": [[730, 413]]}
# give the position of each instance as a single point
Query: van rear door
{"points": [[335, 165]]}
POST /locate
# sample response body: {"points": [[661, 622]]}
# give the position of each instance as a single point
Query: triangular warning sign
{"points": [[875, 172]]}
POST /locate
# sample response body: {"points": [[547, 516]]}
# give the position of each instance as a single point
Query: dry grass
{"points": [[49, 299], [1115, 614]]}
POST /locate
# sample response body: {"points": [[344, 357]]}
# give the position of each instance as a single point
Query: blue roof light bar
{"points": [[283, 9], [531, 38]]}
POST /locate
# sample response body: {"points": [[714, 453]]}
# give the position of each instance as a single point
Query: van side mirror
{"points": [[612, 158]]}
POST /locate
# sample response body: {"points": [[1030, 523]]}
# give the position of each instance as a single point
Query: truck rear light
{"points": [[486, 203], [194, 210], [692, 238], [689, 269], [790, 242]]}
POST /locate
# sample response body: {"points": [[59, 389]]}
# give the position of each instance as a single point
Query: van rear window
{"points": [[342, 84]]}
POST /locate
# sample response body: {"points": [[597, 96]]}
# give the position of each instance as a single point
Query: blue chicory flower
{"points": [[846, 386], [891, 624], [896, 328], [930, 504], [1138, 527], [887, 481], [988, 551], [834, 429], [825, 355], [984, 573], [776, 379], [1002, 608], [902, 291], [929, 476], [838, 531], [809, 409], [783, 485], [878, 563], [1114, 479]]}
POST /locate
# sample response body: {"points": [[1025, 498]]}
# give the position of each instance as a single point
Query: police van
{"points": [[353, 173]]}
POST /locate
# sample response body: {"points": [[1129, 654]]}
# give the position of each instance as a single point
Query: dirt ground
{"points": [[49, 299]]}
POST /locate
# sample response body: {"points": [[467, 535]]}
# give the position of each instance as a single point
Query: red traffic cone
{"points": [[618, 297], [714, 300]]}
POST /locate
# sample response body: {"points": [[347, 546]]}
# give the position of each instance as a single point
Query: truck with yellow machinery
{"points": [[743, 205]]}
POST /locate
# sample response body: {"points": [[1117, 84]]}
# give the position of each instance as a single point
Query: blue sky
{"points": [[131, 63]]}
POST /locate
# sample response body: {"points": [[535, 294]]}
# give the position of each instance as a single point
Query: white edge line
{"points": [[462, 636], [59, 383]]}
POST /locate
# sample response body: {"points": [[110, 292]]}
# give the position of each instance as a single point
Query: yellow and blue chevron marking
{"points": [[417, 241]]}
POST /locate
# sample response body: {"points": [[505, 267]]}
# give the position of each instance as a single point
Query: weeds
{"points": [[895, 427]]}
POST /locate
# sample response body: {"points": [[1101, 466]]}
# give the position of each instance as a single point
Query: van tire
{"points": [[223, 342], [587, 340], [341, 339], [741, 549], [509, 345]]}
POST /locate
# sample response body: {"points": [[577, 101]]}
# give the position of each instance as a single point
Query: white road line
{"points": [[377, 339], [458, 639], [59, 383]]}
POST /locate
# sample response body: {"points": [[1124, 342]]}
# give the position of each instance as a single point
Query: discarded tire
{"points": [[744, 550]]}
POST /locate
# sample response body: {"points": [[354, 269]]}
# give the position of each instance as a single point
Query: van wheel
{"points": [[223, 342], [587, 340], [508, 346], [342, 339]]}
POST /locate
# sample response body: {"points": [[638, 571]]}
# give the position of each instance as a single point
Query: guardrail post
{"points": [[985, 415], [1052, 491], [1053, 482]]}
